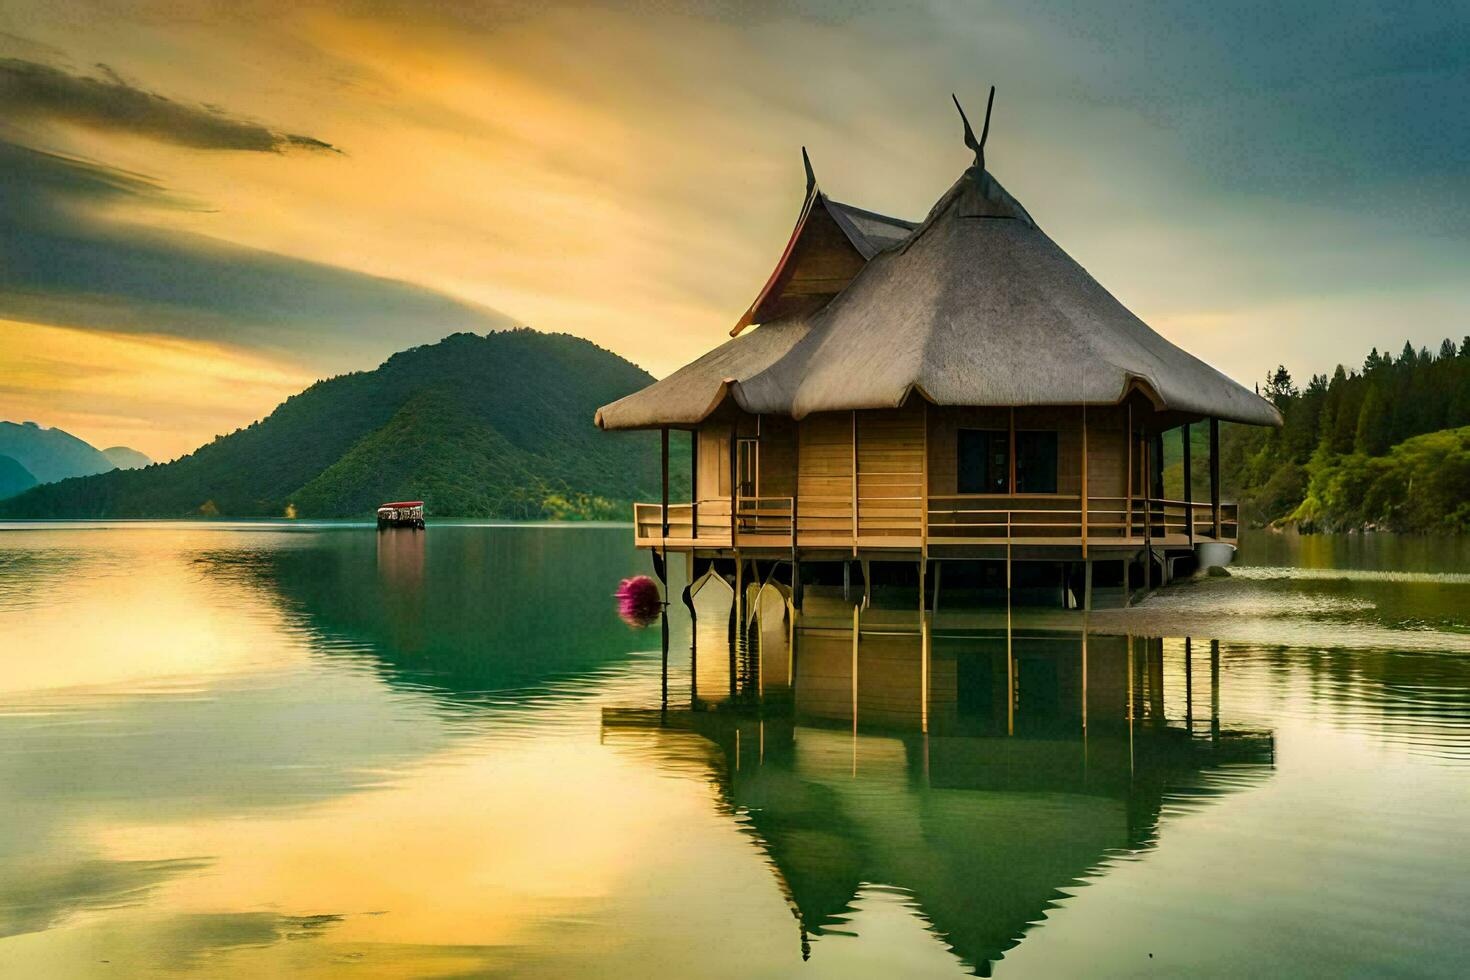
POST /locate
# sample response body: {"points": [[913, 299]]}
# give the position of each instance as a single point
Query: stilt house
{"points": [[956, 389]]}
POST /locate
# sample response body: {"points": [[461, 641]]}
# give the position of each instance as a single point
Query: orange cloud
{"points": [[162, 395]]}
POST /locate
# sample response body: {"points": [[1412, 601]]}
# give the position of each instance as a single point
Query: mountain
{"points": [[492, 426], [14, 478], [126, 459], [50, 454]]}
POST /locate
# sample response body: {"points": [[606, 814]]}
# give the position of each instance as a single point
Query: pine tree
{"points": [[1280, 389], [1345, 426], [1374, 434]]}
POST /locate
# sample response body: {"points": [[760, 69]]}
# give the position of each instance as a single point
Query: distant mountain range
{"points": [[126, 459], [492, 426], [41, 455], [14, 477]]}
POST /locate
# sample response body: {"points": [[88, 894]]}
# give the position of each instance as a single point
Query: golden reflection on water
{"points": [[327, 752], [134, 613]]}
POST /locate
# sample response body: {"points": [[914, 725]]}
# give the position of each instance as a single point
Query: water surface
{"points": [[323, 751]]}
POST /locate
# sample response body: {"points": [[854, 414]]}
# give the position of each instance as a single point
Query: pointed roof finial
{"points": [[977, 145], [811, 176]]}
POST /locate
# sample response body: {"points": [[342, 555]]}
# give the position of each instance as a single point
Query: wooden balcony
{"points": [[936, 524]]}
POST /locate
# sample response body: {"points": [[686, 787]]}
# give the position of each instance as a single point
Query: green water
{"points": [[294, 750]]}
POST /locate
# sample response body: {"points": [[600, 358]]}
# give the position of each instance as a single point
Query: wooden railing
{"points": [[1061, 519], [714, 522], [764, 520], [768, 516], [1036, 519]]}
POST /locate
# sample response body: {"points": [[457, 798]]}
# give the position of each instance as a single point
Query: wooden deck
{"points": [[936, 525]]}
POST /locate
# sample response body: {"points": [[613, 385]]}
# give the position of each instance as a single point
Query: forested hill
{"points": [[492, 426], [1387, 446]]}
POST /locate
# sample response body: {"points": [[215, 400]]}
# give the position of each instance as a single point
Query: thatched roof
{"points": [[830, 245], [977, 306]]}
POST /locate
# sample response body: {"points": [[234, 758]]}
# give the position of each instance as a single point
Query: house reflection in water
{"points": [[1046, 755]]}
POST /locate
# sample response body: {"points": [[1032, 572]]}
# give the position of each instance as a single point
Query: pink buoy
{"points": [[639, 601]]}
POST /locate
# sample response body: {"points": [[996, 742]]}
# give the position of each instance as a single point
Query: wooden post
{"points": [[856, 629], [1188, 484], [694, 482], [1148, 523], [924, 492], [923, 651], [1084, 483], [664, 457], [689, 567], [1087, 585], [737, 610], [1158, 462], [1011, 486], [1215, 475], [734, 478], [854, 485], [795, 498], [1128, 525]]}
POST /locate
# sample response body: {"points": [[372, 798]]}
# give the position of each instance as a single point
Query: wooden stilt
{"points": [[738, 641], [856, 631], [1148, 523], [923, 651], [734, 488], [664, 460], [693, 647], [1087, 585], [1215, 475], [1188, 484]]}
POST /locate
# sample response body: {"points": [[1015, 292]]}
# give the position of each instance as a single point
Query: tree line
{"points": [[1385, 446]]}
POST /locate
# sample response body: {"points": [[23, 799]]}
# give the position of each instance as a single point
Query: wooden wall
{"points": [[777, 457], [825, 480], [891, 457], [1106, 449], [714, 462], [1107, 452], [890, 472]]}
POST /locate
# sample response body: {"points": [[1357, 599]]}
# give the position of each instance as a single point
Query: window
{"points": [[1036, 462], [984, 461]]}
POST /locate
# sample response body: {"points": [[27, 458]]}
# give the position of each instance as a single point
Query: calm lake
{"points": [[265, 750]]}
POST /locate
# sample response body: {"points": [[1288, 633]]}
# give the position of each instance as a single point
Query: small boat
{"points": [[405, 513]]}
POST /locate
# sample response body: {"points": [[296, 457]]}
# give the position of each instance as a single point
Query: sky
{"points": [[204, 207]]}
